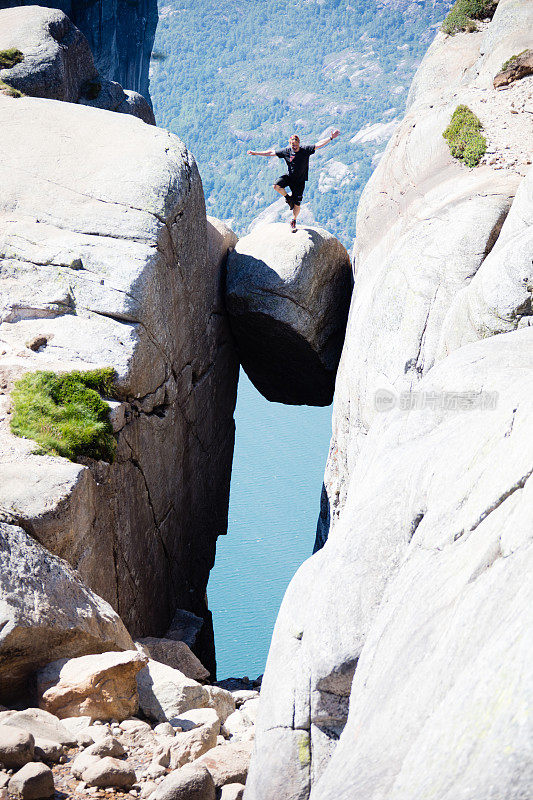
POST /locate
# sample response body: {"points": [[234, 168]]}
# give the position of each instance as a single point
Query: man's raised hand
{"points": [[335, 133]]}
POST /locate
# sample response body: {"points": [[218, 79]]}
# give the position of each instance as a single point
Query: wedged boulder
{"points": [[58, 64], [165, 693], [110, 96], [288, 296], [175, 654], [46, 613], [100, 686]]}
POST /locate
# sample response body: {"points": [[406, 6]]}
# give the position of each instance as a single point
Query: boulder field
{"points": [[401, 661], [108, 731]]}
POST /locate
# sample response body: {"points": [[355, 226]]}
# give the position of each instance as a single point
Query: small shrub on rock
{"points": [[65, 414], [511, 61], [8, 58], [464, 13], [464, 138]]}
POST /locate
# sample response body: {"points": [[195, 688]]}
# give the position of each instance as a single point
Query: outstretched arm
{"points": [[270, 152], [330, 138]]}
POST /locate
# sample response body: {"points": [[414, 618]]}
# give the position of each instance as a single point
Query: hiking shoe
{"points": [[289, 201], [293, 225]]}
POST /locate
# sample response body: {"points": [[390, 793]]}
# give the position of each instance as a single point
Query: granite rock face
{"points": [[103, 254], [46, 612], [58, 64], [287, 296], [400, 665], [120, 35], [425, 226]]}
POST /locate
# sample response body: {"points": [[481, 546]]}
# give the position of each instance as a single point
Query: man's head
{"points": [[294, 142]]}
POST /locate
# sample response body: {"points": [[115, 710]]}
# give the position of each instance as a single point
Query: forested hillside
{"points": [[228, 76]]}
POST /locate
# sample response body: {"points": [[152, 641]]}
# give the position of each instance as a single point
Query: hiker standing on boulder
{"points": [[297, 157]]}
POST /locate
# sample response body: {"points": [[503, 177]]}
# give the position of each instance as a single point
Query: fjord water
{"points": [[278, 467]]}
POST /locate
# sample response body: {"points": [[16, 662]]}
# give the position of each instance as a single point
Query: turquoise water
{"points": [[278, 468]]}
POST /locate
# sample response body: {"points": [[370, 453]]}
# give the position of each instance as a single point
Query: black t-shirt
{"points": [[298, 163]]}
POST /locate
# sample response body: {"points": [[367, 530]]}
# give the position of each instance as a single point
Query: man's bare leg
{"points": [[280, 190]]}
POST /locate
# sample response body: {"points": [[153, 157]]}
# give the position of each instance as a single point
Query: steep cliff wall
{"points": [[416, 614], [120, 33], [103, 262]]}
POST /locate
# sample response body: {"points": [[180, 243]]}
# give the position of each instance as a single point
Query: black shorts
{"points": [[297, 187]]}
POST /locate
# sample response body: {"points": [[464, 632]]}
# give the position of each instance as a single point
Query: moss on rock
{"points": [[464, 13], [304, 750], [65, 413], [464, 138], [10, 57], [5, 88]]}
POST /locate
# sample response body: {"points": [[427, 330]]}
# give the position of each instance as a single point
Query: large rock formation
{"points": [[416, 614], [120, 35], [288, 296], [46, 612], [57, 63], [103, 254]]}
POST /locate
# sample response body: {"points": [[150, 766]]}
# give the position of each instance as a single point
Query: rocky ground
{"points": [[129, 755]]}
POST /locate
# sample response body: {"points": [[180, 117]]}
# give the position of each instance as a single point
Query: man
{"points": [[297, 158]]}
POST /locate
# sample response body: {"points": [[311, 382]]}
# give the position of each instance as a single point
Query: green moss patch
{"points": [[464, 13], [8, 58], [65, 413], [464, 138], [5, 88]]}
